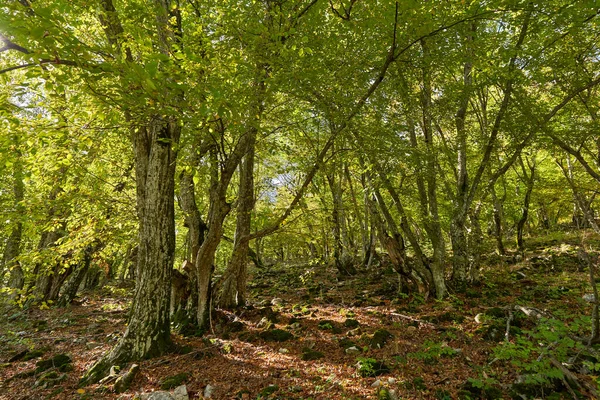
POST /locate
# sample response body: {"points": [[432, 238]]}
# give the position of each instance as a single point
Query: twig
{"points": [[508, 321]]}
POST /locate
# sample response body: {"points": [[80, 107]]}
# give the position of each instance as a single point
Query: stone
{"points": [[209, 390], [181, 393], [58, 361], [275, 335], [311, 355], [352, 350], [283, 350], [376, 384], [351, 323], [174, 381], [159, 395], [379, 339], [588, 297], [355, 332]]}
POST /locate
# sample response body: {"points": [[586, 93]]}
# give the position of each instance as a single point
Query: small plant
{"points": [[432, 352]]}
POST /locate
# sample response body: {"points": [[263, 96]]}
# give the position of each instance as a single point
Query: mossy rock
{"points": [[171, 382], [384, 394], [346, 343], [329, 325], [33, 354], [379, 339], [276, 335], [351, 323], [370, 367], [236, 326], [269, 390], [311, 355], [58, 361], [248, 337]]}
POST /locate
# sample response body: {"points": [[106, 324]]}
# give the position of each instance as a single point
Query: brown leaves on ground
{"points": [[434, 349]]}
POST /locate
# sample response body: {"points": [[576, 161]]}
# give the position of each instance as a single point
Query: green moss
{"points": [[310, 354], [351, 323], [171, 382], [276, 335], [379, 339], [58, 361]]}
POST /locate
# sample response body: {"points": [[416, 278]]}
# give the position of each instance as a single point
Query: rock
{"points": [[345, 343], [352, 350], [376, 384], [33, 354], [386, 394], [59, 361], [275, 335], [355, 332], [181, 393], [392, 381], [310, 354], [329, 325], [589, 297], [236, 326], [379, 339], [159, 395], [351, 323], [173, 381], [18, 356], [123, 382], [209, 390]]}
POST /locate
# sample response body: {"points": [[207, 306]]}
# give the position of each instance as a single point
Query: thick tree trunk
{"points": [[148, 329], [16, 279]]}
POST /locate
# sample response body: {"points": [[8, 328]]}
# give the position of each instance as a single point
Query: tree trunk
{"points": [[148, 329], [12, 250], [196, 229], [233, 289], [498, 231], [70, 290], [342, 259], [529, 181]]}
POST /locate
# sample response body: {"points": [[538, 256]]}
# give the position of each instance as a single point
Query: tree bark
{"points": [[233, 290], [529, 181], [148, 330]]}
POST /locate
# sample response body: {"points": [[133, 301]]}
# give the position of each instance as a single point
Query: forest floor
{"points": [[403, 347]]}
